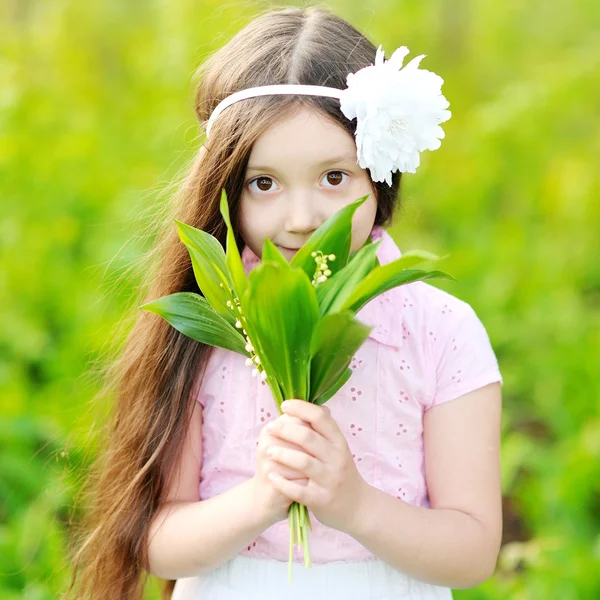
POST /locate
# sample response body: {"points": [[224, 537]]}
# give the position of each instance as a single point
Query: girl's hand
{"points": [[335, 487], [270, 499]]}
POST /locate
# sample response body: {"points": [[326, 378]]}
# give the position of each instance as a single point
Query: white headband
{"points": [[398, 111]]}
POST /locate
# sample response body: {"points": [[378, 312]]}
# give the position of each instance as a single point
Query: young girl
{"points": [[400, 469]]}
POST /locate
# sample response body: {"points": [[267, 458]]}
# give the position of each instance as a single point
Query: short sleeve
{"points": [[463, 358]]}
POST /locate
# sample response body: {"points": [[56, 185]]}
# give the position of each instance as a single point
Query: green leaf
{"points": [[414, 257], [207, 245], [192, 315], [332, 293], [210, 269], [334, 342], [233, 258], [272, 253], [334, 236], [281, 305], [327, 394], [384, 278]]}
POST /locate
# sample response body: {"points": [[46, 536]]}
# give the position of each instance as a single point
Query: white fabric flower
{"points": [[398, 112]]}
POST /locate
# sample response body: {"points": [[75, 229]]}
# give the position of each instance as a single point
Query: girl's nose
{"points": [[303, 215]]}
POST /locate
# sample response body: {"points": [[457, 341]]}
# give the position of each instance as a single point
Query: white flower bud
{"points": [[238, 324], [249, 348], [263, 375], [332, 257], [254, 372], [257, 360], [327, 273], [248, 362], [322, 279]]}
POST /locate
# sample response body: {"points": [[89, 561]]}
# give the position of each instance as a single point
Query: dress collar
{"points": [[383, 313]]}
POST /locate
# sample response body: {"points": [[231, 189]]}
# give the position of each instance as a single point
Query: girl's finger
{"points": [[284, 470], [299, 461], [297, 493], [266, 441], [306, 438], [270, 440], [319, 417]]}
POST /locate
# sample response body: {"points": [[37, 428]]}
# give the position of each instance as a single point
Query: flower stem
{"points": [[290, 519], [298, 519]]}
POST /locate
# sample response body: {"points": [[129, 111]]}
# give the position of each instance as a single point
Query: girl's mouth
{"points": [[293, 250]]}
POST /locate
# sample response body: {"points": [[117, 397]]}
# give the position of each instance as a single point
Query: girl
{"points": [[400, 469]]}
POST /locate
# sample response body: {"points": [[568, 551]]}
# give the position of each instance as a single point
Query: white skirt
{"points": [[248, 578]]}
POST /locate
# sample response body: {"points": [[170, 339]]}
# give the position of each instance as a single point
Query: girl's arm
{"points": [[188, 536], [456, 541]]}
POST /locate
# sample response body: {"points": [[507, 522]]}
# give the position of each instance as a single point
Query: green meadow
{"points": [[96, 125]]}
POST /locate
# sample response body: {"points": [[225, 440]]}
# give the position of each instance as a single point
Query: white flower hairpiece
{"points": [[398, 111]]}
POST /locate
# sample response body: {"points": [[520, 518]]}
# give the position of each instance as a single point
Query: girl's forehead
{"points": [[305, 134], [302, 117]]}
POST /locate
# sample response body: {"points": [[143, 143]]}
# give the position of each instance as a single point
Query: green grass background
{"points": [[96, 117]]}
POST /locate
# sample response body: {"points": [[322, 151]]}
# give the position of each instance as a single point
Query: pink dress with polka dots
{"points": [[427, 347]]}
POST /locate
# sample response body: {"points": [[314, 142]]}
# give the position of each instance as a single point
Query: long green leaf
{"points": [[332, 293], [210, 269], [414, 257], [384, 278], [334, 236], [334, 342], [272, 253], [233, 258], [192, 315], [327, 394], [207, 244], [281, 306]]}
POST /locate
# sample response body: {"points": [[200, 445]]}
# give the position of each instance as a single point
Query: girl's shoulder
{"points": [[453, 339], [418, 313], [419, 301], [440, 319], [430, 327], [434, 305]]}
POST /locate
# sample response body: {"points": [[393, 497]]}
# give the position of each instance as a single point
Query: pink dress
{"points": [[427, 347]]}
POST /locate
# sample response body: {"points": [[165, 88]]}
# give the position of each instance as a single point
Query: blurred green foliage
{"points": [[96, 117]]}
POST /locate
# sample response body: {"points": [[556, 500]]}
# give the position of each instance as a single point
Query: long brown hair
{"points": [[154, 376]]}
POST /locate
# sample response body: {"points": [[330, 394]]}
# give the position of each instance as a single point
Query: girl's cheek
{"points": [[259, 201]]}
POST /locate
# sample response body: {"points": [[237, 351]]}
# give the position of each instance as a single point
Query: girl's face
{"points": [[301, 171]]}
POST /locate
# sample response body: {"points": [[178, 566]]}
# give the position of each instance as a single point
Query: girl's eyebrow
{"points": [[327, 161]]}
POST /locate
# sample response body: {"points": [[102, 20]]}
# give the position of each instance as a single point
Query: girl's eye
{"points": [[263, 183], [335, 178]]}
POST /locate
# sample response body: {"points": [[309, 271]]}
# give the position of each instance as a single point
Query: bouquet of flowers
{"points": [[295, 322]]}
